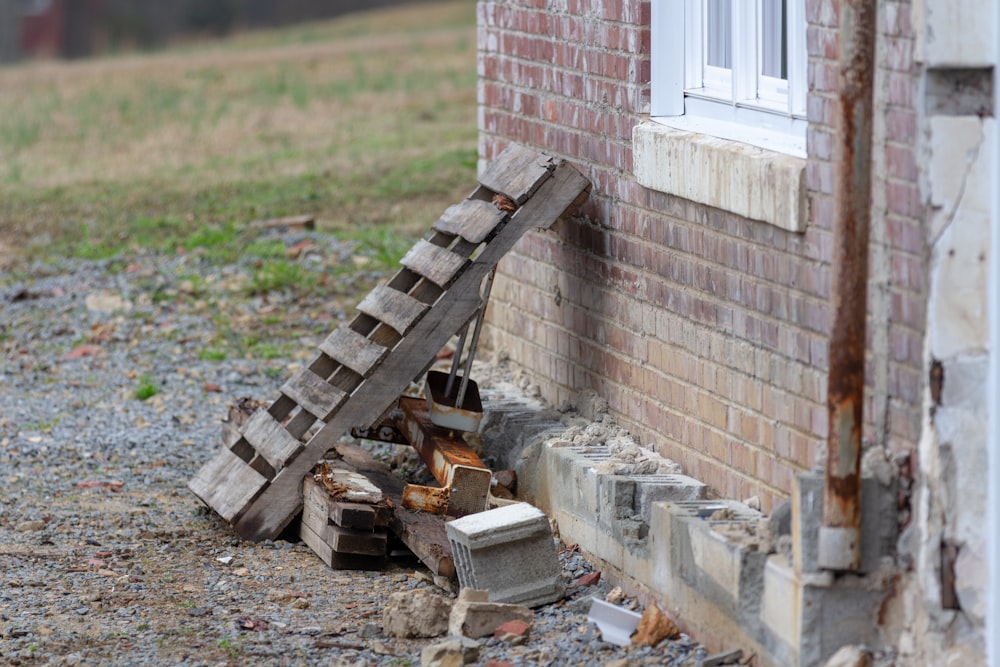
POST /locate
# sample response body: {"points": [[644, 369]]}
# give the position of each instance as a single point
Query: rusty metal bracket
{"points": [[465, 480]]}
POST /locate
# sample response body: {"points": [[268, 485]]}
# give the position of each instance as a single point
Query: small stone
{"points": [[615, 595], [29, 526], [589, 579], [654, 627], [378, 648], [369, 630]]}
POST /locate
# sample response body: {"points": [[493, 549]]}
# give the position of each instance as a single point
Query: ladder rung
{"points": [[349, 348], [517, 172], [270, 439], [437, 264], [400, 311], [473, 220], [316, 395]]}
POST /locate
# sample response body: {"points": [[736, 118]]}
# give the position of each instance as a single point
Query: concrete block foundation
{"points": [[709, 563]]}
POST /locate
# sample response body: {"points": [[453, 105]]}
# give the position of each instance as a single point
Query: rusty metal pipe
{"points": [[460, 401], [456, 362], [840, 531]]}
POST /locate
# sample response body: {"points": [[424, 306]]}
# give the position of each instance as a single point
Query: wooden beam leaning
{"points": [[278, 504]]}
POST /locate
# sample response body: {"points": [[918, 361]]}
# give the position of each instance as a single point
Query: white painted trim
{"points": [[774, 132], [666, 54]]}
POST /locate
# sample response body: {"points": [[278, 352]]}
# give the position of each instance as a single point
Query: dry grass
{"points": [[366, 120]]}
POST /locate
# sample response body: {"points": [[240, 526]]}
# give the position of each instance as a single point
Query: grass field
{"points": [[367, 122]]}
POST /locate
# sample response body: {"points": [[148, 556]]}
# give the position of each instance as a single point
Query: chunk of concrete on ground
{"points": [[452, 652], [418, 613], [509, 551], [473, 615]]}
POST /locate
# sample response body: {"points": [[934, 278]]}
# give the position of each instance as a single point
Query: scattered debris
{"points": [[296, 222], [513, 632], [452, 652], [417, 613], [726, 658], [252, 624], [654, 627], [850, 656], [344, 518], [615, 623], [81, 351], [473, 615], [589, 579], [114, 485]]}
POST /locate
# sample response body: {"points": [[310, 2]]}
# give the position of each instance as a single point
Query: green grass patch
{"points": [[146, 389]]}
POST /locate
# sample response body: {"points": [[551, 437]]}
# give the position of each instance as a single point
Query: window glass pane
{"points": [[774, 39], [719, 33]]}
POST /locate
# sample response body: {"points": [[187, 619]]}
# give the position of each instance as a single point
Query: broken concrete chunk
{"points": [[654, 627], [419, 613], [470, 618], [455, 651]]}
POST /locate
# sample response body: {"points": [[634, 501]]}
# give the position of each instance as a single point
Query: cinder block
{"points": [[508, 551]]}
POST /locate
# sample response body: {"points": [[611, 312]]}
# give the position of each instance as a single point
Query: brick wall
{"points": [[705, 332]]}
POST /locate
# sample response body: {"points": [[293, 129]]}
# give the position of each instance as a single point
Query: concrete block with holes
{"points": [[510, 552]]}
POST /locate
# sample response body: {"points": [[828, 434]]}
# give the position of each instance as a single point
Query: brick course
{"points": [[706, 332]]}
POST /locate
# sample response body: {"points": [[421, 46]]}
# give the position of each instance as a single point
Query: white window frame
{"points": [[748, 112]]}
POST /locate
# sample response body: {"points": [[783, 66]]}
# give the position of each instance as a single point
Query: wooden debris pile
{"points": [[344, 518]]}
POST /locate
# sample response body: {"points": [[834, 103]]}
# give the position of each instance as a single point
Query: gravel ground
{"points": [[107, 558]]}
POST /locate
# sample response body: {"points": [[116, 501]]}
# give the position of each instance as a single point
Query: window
{"points": [[732, 68]]}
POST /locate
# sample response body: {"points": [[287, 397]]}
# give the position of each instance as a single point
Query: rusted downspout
{"points": [[840, 532]]}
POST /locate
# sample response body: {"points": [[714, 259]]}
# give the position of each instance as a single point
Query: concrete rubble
{"points": [[452, 652], [473, 615], [419, 613]]}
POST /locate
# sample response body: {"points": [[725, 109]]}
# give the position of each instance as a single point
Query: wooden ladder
{"points": [[255, 482]]}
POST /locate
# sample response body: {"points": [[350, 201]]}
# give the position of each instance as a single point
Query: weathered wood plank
{"points": [[316, 395], [349, 348], [393, 307], [280, 501], [226, 484], [437, 264], [360, 516], [336, 560], [517, 172], [270, 439], [472, 219], [349, 541]]}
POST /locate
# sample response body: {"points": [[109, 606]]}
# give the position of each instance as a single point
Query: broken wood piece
{"points": [[299, 222], [360, 516], [239, 413], [346, 484]]}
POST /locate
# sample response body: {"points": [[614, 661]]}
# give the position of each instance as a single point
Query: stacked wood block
{"points": [[344, 518]]}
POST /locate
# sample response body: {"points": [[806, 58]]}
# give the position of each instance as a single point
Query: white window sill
{"points": [[734, 173]]}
